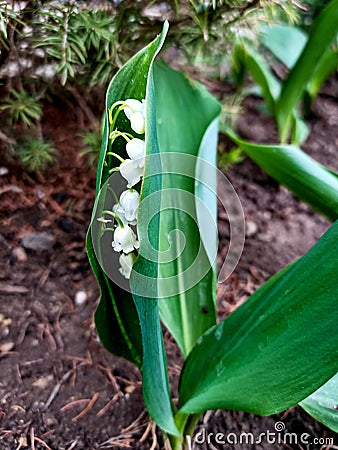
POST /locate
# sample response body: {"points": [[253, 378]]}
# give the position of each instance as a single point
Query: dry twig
{"points": [[109, 404], [57, 388], [74, 403], [87, 408]]}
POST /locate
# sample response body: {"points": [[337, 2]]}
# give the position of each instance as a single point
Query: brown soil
{"points": [[59, 388]]}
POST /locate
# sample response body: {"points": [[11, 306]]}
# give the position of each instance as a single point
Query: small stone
{"points": [[37, 406], [264, 237], [251, 228], [19, 254], [80, 298], [40, 194], [5, 331], [38, 242], [130, 389], [43, 382], [23, 443], [3, 171], [6, 347]]}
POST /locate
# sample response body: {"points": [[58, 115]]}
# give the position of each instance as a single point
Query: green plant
{"points": [[310, 181], [21, 106], [92, 144], [262, 357], [57, 29], [80, 44], [7, 16], [234, 156], [35, 154], [310, 60]]}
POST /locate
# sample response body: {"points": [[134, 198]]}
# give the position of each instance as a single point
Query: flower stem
{"points": [[116, 133], [116, 156], [111, 120], [111, 213]]}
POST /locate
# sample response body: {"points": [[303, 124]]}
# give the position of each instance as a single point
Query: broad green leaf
{"points": [[156, 390], [323, 404], [252, 61], [322, 33], [302, 175], [187, 124], [116, 318], [129, 326], [326, 65], [275, 349], [285, 42]]}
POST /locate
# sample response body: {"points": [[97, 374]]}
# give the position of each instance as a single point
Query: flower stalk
{"points": [[131, 169]]}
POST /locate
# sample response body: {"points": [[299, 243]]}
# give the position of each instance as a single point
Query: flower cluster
{"points": [[131, 169]]}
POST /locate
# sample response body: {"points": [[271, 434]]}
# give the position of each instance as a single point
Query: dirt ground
{"points": [[59, 389]]}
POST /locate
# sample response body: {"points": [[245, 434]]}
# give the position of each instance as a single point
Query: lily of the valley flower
{"points": [[135, 112], [125, 240], [138, 123], [136, 151], [127, 207], [126, 263], [131, 171], [132, 106]]}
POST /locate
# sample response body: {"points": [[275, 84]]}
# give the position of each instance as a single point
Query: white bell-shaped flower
{"points": [[126, 262], [129, 201], [138, 123], [136, 149], [135, 112], [132, 106], [119, 211], [131, 171], [127, 207], [125, 240]]}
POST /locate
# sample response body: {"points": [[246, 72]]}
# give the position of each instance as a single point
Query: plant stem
{"points": [[186, 424]]}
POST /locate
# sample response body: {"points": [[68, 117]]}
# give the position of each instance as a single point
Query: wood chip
{"points": [[10, 188]]}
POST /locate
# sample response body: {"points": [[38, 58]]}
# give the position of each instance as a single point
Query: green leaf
{"points": [[156, 389], [285, 42], [300, 130], [323, 404], [261, 73], [174, 106], [275, 349], [326, 65], [123, 331], [322, 33], [302, 175], [116, 317], [187, 124]]}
